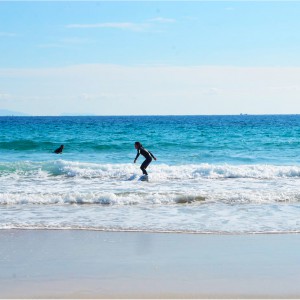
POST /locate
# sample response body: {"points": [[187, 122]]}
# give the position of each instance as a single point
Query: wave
{"points": [[125, 198], [47, 146], [148, 198], [158, 172], [25, 145]]}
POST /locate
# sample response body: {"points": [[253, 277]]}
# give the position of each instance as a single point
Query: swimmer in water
{"points": [[59, 150]]}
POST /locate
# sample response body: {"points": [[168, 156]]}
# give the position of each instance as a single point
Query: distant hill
{"points": [[5, 112]]}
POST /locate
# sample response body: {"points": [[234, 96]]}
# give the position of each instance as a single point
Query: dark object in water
{"points": [[59, 150]]}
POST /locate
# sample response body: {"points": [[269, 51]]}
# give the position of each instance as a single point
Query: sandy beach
{"points": [[95, 264]]}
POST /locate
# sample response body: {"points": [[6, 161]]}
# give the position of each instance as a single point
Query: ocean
{"points": [[214, 174]]}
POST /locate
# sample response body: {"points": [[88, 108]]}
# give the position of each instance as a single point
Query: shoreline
{"points": [[101, 264], [217, 233]]}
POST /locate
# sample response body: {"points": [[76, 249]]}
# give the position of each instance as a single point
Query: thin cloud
{"points": [[114, 25], [5, 96], [99, 96], [162, 20], [76, 40], [66, 42], [190, 18], [205, 89], [131, 26], [51, 46], [7, 34]]}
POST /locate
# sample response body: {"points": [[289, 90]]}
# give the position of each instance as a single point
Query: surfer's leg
{"points": [[144, 165], [143, 168]]}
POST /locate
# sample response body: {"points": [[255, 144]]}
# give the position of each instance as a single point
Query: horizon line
{"points": [[142, 115]]}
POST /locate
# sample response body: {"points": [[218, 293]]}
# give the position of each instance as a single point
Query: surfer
{"points": [[147, 154], [59, 150]]}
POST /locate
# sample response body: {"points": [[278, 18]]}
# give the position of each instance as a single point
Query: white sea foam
{"points": [[212, 218], [178, 198], [157, 171], [150, 198], [166, 172]]}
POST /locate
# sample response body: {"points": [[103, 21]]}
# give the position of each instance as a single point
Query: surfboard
{"points": [[144, 178]]}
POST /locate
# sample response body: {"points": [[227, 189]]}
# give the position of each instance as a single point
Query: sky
{"points": [[150, 57]]}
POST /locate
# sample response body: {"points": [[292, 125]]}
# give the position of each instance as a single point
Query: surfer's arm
{"points": [[152, 155], [137, 155]]}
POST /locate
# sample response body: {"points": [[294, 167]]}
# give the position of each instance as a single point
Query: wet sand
{"points": [[95, 264]]}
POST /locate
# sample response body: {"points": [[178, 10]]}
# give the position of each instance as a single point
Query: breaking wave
{"points": [[148, 198], [158, 171]]}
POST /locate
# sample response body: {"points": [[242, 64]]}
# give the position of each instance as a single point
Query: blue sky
{"points": [[137, 39]]}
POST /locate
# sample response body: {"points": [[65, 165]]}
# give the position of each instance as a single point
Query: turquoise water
{"points": [[176, 140], [213, 174]]}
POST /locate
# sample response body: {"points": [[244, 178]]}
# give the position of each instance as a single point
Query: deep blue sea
{"points": [[213, 174]]}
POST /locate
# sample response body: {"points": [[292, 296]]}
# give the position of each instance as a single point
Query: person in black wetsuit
{"points": [[147, 154], [59, 150]]}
